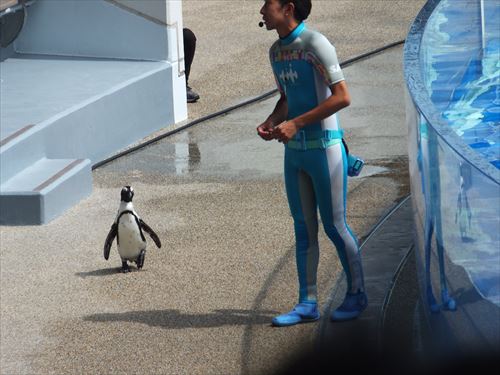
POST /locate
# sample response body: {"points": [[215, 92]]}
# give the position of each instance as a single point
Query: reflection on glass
{"points": [[463, 215], [462, 71], [432, 222], [453, 108], [461, 68]]}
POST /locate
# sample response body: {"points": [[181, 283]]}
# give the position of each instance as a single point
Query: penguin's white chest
{"points": [[129, 237]]}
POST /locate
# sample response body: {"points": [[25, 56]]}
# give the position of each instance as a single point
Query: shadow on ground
{"points": [[174, 319], [102, 272]]}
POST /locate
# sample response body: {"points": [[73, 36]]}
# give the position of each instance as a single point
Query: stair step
{"points": [[44, 190], [12, 161], [38, 175]]}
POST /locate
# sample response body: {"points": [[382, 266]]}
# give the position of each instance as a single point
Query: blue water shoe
{"points": [[353, 305], [301, 313]]}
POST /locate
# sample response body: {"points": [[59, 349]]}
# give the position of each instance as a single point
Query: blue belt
{"points": [[315, 139]]}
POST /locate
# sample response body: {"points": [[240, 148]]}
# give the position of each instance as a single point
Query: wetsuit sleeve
{"points": [[321, 53]]}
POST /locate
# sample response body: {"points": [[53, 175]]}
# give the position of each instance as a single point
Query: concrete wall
{"points": [[154, 9], [87, 78], [103, 29], [149, 30]]}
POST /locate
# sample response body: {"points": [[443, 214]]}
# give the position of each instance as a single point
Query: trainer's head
{"points": [[301, 8], [279, 12]]}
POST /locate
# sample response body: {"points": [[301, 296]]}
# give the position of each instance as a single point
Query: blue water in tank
{"points": [[461, 52]]}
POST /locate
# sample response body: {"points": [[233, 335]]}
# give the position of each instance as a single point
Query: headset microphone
{"points": [[261, 24]]}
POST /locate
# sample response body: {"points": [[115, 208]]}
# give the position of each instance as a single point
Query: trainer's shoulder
{"points": [[314, 40], [275, 46]]}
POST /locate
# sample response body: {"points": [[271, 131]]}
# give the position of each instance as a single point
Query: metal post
{"points": [[483, 26]]}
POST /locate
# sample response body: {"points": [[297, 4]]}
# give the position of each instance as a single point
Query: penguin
{"points": [[128, 229]]}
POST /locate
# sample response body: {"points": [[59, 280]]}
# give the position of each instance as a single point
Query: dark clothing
{"points": [[189, 48]]}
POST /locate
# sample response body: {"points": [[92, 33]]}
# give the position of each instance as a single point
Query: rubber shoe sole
{"points": [[341, 316], [303, 312], [287, 320], [353, 312]]}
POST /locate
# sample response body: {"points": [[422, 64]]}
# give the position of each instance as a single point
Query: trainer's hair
{"points": [[302, 8]]}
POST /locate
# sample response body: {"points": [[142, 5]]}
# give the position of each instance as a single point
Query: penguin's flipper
{"points": [[109, 240], [151, 232]]}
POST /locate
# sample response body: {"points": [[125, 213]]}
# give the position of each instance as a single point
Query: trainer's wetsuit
{"points": [[305, 65]]}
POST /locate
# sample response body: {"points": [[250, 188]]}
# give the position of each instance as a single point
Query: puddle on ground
{"points": [[226, 147]]}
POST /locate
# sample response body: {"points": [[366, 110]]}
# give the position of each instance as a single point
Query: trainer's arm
{"points": [[279, 114], [339, 99], [280, 111]]}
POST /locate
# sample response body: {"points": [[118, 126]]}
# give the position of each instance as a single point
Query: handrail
{"points": [[483, 27]]}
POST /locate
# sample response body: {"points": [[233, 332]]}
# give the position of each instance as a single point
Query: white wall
{"points": [[149, 30], [123, 29]]}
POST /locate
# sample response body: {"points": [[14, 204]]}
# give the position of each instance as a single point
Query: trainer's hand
{"points": [[265, 130], [285, 131]]}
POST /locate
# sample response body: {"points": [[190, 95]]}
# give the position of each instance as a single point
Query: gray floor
{"points": [[215, 196], [203, 303], [383, 253]]}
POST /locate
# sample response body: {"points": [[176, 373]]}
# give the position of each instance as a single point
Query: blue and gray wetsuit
{"points": [[305, 65]]}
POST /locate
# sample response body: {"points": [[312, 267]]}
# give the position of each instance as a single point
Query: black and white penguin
{"points": [[128, 229]]}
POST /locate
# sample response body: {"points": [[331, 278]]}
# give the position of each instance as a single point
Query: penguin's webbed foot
{"points": [[140, 259], [125, 267]]}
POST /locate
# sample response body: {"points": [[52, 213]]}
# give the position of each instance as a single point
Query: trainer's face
{"points": [[273, 13]]}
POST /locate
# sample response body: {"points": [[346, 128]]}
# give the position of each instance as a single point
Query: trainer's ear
{"points": [[289, 8]]}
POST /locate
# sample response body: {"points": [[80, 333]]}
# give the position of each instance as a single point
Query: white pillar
{"points": [[176, 57]]}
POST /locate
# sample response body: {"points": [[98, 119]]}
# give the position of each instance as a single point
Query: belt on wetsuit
{"points": [[315, 139]]}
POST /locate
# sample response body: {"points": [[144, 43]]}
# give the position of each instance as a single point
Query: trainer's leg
{"points": [[303, 207], [330, 184]]}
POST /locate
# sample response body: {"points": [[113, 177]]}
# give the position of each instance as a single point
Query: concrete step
{"points": [[44, 190], [13, 155]]}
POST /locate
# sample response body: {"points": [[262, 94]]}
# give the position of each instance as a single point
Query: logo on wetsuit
{"points": [[289, 75]]}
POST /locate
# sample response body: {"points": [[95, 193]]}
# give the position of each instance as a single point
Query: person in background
{"points": [[189, 49]]}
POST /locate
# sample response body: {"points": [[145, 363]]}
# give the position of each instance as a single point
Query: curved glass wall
{"points": [[452, 70]]}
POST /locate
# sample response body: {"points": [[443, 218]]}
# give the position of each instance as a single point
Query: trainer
{"points": [[313, 90]]}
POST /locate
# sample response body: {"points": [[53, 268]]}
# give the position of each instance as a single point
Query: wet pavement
{"points": [[203, 302]]}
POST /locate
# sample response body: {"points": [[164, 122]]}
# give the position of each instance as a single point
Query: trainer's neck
{"points": [[286, 29]]}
